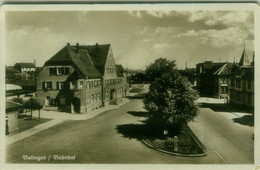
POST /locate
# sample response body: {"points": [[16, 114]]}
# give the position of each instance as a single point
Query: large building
{"points": [[241, 87], [79, 79], [212, 79]]}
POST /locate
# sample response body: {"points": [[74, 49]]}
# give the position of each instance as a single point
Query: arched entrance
{"points": [[112, 94], [76, 104], [47, 101]]}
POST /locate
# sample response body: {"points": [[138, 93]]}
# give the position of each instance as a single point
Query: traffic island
{"points": [[153, 137], [185, 144]]}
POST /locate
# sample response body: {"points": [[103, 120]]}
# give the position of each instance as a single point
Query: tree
{"points": [[171, 99], [18, 100], [32, 104]]}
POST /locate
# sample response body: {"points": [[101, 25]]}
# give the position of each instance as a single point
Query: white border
{"points": [[122, 7]]}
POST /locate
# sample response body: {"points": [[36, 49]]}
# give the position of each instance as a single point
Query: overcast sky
{"points": [[137, 37]]}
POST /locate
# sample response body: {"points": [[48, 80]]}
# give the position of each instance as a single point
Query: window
{"points": [[232, 83], [67, 70], [48, 85], [60, 70], [57, 85], [107, 94], [249, 84], [224, 90], [52, 71], [238, 83], [87, 84], [61, 85], [95, 83], [92, 97], [96, 97], [80, 84]]}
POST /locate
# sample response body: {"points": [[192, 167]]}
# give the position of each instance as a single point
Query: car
{"points": [[24, 115]]}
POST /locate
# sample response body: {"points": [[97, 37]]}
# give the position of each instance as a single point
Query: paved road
{"points": [[97, 140], [230, 140]]}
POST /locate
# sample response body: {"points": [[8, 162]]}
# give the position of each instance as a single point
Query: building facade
{"points": [[212, 79], [25, 67], [241, 82], [79, 79]]}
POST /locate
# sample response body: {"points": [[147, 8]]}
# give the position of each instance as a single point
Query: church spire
{"points": [[244, 58]]}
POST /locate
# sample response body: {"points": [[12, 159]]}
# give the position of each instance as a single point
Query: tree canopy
{"points": [[159, 67], [171, 99], [32, 104]]}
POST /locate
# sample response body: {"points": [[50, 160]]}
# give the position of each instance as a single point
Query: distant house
{"points": [[242, 81], [212, 79], [11, 118], [25, 67], [79, 79], [21, 74]]}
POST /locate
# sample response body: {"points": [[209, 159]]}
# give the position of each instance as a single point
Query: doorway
{"points": [[76, 104]]}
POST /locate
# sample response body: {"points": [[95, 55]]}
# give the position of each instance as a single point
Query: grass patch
{"points": [[28, 124]]}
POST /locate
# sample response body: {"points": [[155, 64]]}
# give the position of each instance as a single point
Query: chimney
{"points": [[68, 44], [77, 47]]}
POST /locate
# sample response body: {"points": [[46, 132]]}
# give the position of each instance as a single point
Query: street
{"points": [[227, 134], [99, 140]]}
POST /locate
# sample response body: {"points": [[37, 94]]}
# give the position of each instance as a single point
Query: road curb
{"points": [[199, 143], [172, 153]]}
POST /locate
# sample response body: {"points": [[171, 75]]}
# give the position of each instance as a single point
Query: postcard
{"points": [[130, 86]]}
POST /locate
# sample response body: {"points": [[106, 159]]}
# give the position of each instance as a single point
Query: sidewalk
{"points": [[58, 117], [219, 105]]}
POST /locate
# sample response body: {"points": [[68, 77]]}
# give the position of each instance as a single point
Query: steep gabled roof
{"points": [[80, 59], [98, 54], [224, 70], [211, 68], [25, 65]]}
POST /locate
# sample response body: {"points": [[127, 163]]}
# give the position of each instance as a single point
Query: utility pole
{"points": [[35, 83]]}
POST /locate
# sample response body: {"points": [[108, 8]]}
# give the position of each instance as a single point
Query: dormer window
{"points": [[52, 71], [59, 70]]}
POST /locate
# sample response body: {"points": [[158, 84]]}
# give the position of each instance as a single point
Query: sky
{"points": [[137, 37]]}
